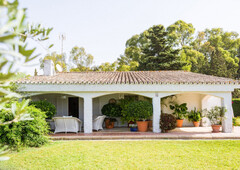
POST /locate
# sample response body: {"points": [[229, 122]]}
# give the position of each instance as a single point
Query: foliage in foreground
{"points": [[158, 154], [23, 133], [14, 51]]}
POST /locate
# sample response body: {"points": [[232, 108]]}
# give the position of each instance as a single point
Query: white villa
{"points": [[83, 94]]}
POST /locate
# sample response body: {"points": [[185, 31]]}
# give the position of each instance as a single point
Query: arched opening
{"points": [[100, 101], [66, 104], [200, 101]]}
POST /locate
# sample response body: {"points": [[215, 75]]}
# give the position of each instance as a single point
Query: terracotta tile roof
{"points": [[131, 77]]}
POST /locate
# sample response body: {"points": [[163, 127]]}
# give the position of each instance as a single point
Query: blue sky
{"points": [[102, 27]]}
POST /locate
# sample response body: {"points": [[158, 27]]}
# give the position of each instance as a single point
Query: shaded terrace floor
{"points": [[124, 133]]}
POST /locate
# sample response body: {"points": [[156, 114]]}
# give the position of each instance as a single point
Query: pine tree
{"points": [[35, 72], [158, 54]]}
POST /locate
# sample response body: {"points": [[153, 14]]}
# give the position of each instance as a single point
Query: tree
{"points": [[14, 51], [196, 61], [158, 53], [106, 67], [180, 33], [151, 50], [58, 59], [80, 60], [132, 66], [220, 50], [127, 64], [35, 72]]}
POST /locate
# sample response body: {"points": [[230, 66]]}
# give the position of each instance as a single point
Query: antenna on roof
{"points": [[62, 37]]}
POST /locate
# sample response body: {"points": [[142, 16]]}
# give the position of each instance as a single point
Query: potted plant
{"points": [[111, 110], [109, 122], [150, 125], [167, 122], [195, 116], [216, 115], [133, 127], [138, 111], [180, 112]]}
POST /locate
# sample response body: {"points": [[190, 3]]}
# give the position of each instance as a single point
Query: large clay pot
{"points": [[150, 125], [109, 124], [216, 128], [196, 124], [179, 122], [142, 126]]}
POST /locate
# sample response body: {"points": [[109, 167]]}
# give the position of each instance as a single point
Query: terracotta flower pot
{"points": [[150, 126], [109, 124], [179, 122], [216, 128], [196, 124], [142, 126], [150, 123]]}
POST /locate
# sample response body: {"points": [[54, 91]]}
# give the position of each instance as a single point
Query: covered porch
{"points": [[87, 106], [90, 90]]}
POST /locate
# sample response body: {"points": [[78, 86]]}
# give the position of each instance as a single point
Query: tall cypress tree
{"points": [[217, 64], [157, 53]]}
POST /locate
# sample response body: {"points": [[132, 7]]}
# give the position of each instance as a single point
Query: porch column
{"points": [[88, 115], [227, 122], [156, 113]]}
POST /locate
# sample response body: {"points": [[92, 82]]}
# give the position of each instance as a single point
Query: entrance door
{"points": [[73, 106]]}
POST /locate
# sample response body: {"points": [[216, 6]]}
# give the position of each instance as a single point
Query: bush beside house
{"points": [[45, 106], [236, 107], [31, 133]]}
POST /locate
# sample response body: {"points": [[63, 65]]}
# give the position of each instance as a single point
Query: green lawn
{"points": [[222, 154]]}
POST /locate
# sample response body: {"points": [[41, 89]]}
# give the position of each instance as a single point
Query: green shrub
{"points": [[216, 115], [236, 107], [137, 110], [236, 121], [30, 133], [179, 111], [167, 122], [111, 110], [125, 102], [45, 106], [194, 115]]}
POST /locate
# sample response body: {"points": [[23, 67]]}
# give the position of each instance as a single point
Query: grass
{"points": [[156, 154]]}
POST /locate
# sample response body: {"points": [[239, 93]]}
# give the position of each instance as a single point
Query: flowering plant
{"points": [[132, 125]]}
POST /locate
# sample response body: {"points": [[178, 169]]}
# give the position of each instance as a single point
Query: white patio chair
{"points": [[98, 122], [67, 124]]}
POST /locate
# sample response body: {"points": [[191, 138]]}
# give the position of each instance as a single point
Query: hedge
{"points": [[236, 107]]}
